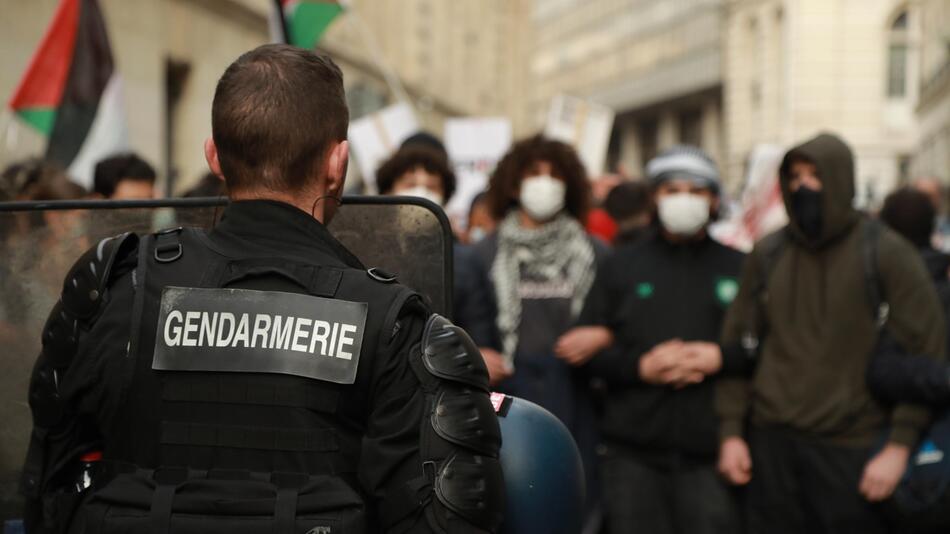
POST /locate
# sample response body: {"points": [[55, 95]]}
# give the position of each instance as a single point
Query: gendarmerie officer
{"points": [[256, 377]]}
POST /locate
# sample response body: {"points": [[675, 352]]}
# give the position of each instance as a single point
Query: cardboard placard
{"points": [[583, 124], [474, 145], [375, 137]]}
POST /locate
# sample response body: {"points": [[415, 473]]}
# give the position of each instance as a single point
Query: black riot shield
{"points": [[39, 242], [406, 236]]}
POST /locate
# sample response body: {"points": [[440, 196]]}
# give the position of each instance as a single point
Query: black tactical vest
{"points": [[246, 394]]}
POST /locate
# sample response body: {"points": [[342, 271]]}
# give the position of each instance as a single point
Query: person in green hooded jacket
{"points": [[804, 432]]}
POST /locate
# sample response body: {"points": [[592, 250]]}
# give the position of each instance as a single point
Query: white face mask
{"points": [[542, 197], [683, 214], [422, 191]]}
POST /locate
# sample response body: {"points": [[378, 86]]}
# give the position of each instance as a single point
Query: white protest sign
{"points": [[761, 209], [583, 124], [375, 137], [474, 145]]}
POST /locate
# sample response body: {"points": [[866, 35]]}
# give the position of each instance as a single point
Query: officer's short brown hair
{"points": [[276, 112]]}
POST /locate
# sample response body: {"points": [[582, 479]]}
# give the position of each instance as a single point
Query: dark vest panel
{"points": [[251, 377]]}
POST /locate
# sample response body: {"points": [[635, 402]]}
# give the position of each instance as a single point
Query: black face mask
{"points": [[806, 210]]}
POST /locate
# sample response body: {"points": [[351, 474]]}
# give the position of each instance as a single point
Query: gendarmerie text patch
{"points": [[240, 330]]}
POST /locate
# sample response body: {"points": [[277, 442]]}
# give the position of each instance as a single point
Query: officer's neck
{"points": [[305, 203]]}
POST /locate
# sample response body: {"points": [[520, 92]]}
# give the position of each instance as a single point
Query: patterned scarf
{"points": [[558, 251]]}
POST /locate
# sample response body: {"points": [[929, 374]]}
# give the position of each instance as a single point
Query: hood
{"points": [[835, 165]]}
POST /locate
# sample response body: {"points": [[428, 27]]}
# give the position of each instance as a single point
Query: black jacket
{"points": [[894, 375], [375, 421], [473, 302], [812, 361], [649, 292], [937, 263]]}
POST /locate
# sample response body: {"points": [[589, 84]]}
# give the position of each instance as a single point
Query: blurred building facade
{"points": [[463, 57], [460, 57], [722, 74], [933, 109], [797, 67], [657, 64]]}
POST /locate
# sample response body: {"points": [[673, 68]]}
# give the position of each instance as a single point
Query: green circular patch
{"points": [[726, 290]]}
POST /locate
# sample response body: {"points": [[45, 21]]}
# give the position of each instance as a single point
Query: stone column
{"points": [[630, 156]]}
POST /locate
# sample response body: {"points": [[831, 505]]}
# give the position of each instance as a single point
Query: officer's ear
{"points": [[211, 156], [337, 162]]}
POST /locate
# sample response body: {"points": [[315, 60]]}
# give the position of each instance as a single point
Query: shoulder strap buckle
{"points": [[168, 245], [380, 275]]}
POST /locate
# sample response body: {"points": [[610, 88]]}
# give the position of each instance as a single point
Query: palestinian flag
{"points": [[71, 93], [302, 22]]}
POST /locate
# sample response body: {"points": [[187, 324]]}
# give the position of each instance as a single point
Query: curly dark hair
{"points": [[410, 157], [505, 183]]}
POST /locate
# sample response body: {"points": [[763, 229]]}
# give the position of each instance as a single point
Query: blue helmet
{"points": [[544, 477]]}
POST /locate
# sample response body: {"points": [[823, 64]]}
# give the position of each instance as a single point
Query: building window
{"points": [[903, 168], [755, 93], [897, 71], [691, 127], [897, 58], [647, 132], [900, 23], [614, 150]]}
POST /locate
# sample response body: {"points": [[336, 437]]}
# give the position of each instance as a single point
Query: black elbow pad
{"points": [[462, 437], [77, 309], [79, 304]]}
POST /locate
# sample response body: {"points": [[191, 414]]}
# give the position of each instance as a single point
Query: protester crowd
{"points": [[708, 390]]}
